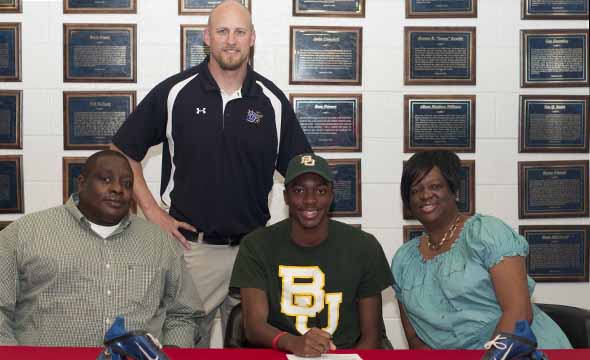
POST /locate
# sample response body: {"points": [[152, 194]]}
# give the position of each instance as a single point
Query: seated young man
{"points": [[310, 284]]}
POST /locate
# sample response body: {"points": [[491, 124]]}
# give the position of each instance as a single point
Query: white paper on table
{"points": [[327, 357]]}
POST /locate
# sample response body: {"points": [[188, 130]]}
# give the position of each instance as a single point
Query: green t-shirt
{"points": [[313, 286]]}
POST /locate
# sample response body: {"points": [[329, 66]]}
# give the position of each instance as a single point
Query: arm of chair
{"points": [[575, 322]]}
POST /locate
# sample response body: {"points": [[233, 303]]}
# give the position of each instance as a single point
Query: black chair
{"points": [[575, 323], [235, 336]]}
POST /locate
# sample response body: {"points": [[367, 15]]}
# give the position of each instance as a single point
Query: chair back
{"points": [[575, 323], [235, 336]]}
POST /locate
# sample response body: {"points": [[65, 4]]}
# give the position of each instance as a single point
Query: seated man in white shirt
{"points": [[68, 271]]}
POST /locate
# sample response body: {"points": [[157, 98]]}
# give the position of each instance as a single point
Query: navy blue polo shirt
{"points": [[217, 164]]}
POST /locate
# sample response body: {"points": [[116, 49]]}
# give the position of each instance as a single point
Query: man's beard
{"points": [[233, 63]]}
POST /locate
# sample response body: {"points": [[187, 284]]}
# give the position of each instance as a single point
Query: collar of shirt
{"points": [[225, 97], [72, 207]]}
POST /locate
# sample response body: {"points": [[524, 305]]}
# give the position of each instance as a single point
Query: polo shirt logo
{"points": [[200, 111], [254, 117]]}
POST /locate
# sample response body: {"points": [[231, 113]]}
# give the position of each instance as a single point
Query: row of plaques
{"points": [[347, 184], [546, 188], [333, 122], [346, 8], [319, 55], [347, 180], [530, 9]]}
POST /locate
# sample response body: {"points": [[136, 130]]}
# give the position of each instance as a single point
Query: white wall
{"points": [[158, 24]]}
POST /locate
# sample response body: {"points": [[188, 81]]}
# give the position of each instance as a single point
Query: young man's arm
{"points": [[259, 332], [370, 319]]}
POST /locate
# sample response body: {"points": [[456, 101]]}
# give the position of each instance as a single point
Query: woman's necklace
{"points": [[447, 235]]}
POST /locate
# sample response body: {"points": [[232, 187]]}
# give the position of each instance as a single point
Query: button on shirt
{"points": [[61, 284]]}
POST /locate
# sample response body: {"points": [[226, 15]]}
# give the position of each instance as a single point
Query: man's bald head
{"points": [[229, 5]]}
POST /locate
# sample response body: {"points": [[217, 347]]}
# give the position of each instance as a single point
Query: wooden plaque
{"points": [[11, 184], [439, 56], [549, 189], [331, 122]]}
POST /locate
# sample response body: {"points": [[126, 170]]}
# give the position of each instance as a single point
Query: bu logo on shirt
{"points": [[303, 297], [200, 111], [254, 117]]}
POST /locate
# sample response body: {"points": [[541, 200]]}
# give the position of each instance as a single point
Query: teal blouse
{"points": [[450, 299]]}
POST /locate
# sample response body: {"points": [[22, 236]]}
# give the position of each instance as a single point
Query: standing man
{"points": [[68, 271], [310, 284], [225, 129]]}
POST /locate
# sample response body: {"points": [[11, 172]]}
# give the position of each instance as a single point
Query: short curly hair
{"points": [[420, 164]]}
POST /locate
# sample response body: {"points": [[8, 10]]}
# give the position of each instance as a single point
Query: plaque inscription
{"points": [[441, 8], [92, 118], [557, 252], [100, 6], [439, 56], [439, 122], [551, 58], [100, 53], [10, 52], [553, 189], [347, 187], [335, 8], [331, 122], [555, 9], [193, 48], [11, 184], [203, 7], [553, 123], [11, 119], [325, 55]]}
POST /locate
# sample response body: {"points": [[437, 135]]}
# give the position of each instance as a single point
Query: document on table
{"points": [[327, 357]]}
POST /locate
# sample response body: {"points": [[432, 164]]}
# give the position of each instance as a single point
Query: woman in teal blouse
{"points": [[464, 280]]}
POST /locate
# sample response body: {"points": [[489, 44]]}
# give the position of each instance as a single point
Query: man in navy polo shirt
{"points": [[224, 129]]}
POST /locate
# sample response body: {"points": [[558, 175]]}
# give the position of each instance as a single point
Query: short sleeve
{"points": [[293, 140], [491, 240], [399, 264], [145, 126], [377, 275], [248, 271]]}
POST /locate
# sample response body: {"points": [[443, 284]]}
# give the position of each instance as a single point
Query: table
{"points": [[50, 353]]}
